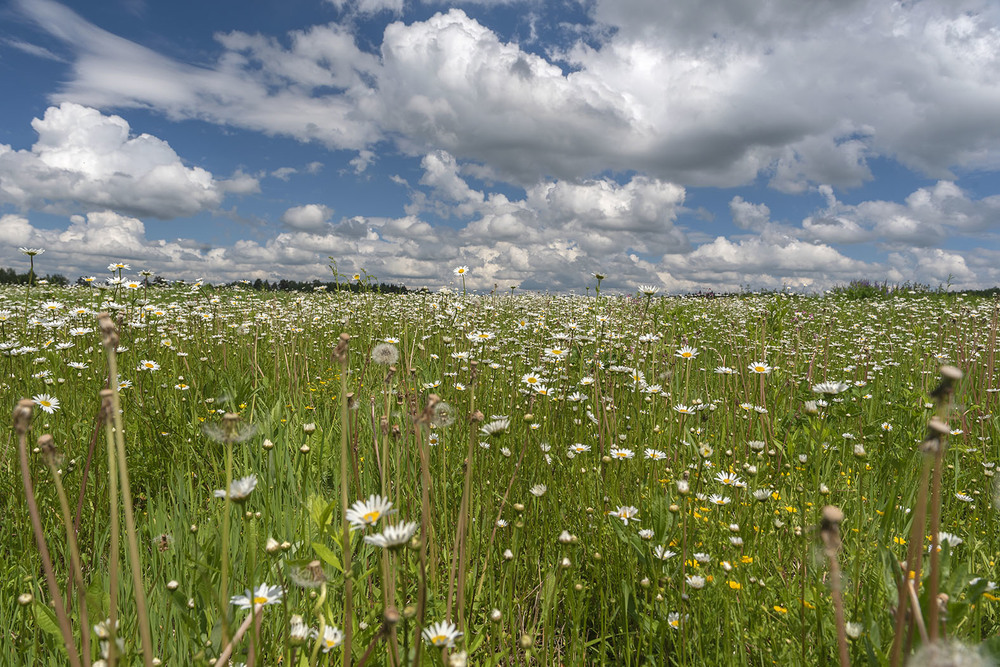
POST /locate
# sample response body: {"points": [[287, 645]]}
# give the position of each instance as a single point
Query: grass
{"points": [[578, 493]]}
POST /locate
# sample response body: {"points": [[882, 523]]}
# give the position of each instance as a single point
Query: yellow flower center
{"points": [[439, 640], [372, 516], [259, 600]]}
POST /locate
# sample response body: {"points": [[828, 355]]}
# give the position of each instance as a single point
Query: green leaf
{"points": [[327, 555], [46, 619], [98, 600]]}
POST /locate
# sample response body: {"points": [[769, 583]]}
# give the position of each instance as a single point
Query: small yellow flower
{"points": [[735, 585], [781, 610]]}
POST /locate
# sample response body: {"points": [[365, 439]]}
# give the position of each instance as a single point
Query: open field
{"points": [[621, 480]]}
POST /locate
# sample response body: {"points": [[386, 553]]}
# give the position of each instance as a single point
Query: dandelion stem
{"points": [[22, 419]]}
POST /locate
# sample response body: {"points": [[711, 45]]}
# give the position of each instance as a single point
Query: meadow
{"points": [[501, 479]]}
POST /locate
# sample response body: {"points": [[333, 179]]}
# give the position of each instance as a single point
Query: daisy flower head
{"points": [[663, 553], [964, 498], [829, 387], [264, 595], [332, 638], [759, 367], [46, 402], [621, 454], [240, 489], [649, 290], [627, 513], [461, 270], [716, 499], [655, 454], [579, 448], [298, 632], [31, 252], [393, 537], [728, 479], [724, 370], [148, 365], [686, 352], [367, 512], [442, 634], [685, 409], [538, 490], [495, 427]]}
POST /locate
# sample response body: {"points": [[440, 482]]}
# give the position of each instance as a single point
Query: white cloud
{"points": [[747, 215], [927, 217], [240, 183], [711, 93], [308, 218], [84, 159]]}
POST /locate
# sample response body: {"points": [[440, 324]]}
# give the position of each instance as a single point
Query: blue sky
{"points": [[687, 145]]}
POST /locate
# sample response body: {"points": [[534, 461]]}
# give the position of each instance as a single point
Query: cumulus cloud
{"points": [[927, 217], [84, 159], [747, 215], [308, 218], [708, 93]]}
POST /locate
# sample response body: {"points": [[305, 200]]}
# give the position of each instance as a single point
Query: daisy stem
{"points": [[223, 658], [226, 507], [345, 452]]}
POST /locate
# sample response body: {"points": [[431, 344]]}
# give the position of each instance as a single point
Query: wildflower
{"points": [[949, 539], [495, 427], [654, 454], [298, 632], [724, 370], [886, 426], [461, 270], [538, 490], [674, 620], [853, 629], [627, 513], [332, 638], [47, 403], [694, 581], [31, 252], [621, 454], [727, 479], [649, 290], [684, 409], [385, 354], [663, 553], [735, 585], [646, 534], [829, 387], [264, 595], [366, 513], [148, 365], [240, 489], [759, 367], [762, 494], [442, 634], [393, 537], [579, 448], [686, 352], [719, 500], [964, 498]]}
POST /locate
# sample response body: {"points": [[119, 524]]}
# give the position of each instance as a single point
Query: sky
{"points": [[688, 145]]}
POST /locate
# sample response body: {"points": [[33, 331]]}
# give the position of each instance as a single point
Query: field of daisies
{"points": [[203, 476]]}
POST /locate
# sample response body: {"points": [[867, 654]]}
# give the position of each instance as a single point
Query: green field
{"points": [[590, 480]]}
